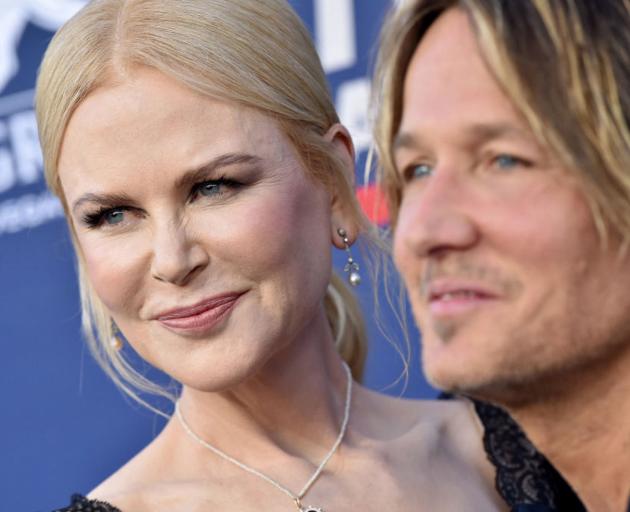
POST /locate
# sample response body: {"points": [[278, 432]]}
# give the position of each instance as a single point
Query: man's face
{"points": [[495, 241]]}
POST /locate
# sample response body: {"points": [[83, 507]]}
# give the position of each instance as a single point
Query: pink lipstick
{"points": [[202, 317]]}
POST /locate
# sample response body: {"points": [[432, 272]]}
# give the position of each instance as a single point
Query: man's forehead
{"points": [[479, 132], [450, 34]]}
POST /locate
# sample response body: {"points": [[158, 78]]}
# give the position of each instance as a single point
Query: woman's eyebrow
{"points": [[193, 176], [102, 199]]}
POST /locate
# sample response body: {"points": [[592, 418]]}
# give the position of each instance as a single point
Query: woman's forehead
{"points": [[153, 117]]}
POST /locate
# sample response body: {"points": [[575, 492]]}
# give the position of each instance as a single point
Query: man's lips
{"points": [[452, 297]]}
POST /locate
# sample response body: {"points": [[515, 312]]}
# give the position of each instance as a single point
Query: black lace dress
{"points": [[525, 480]]}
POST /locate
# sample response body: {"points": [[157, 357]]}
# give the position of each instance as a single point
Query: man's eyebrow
{"points": [[483, 132], [405, 140], [188, 179], [479, 132]]}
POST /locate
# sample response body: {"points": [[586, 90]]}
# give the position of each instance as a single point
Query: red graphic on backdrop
{"points": [[374, 204]]}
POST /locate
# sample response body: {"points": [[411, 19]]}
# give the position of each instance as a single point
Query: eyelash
{"points": [[96, 219], [516, 161], [219, 182], [409, 173]]}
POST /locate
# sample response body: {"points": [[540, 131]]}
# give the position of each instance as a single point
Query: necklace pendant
{"points": [[310, 508]]}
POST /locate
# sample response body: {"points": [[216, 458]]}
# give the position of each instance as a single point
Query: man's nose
{"points": [[178, 254], [437, 215]]}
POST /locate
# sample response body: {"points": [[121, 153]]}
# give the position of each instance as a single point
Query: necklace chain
{"points": [[295, 497]]}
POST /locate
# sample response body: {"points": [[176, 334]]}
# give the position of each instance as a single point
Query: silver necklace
{"points": [[297, 498]]}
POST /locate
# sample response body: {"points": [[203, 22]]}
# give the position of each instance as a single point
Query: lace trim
{"points": [[524, 476], [82, 504]]}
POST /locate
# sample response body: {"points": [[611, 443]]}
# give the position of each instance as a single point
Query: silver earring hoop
{"points": [[116, 342], [351, 267]]}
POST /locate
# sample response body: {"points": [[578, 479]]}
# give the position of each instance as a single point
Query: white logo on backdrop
{"points": [[47, 14], [20, 155], [336, 41]]}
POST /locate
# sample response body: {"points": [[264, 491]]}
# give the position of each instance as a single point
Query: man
{"points": [[503, 133]]}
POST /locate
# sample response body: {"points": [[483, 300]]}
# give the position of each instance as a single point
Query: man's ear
{"points": [[342, 212]]}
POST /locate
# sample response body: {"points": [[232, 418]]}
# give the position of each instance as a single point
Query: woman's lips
{"points": [[201, 318]]}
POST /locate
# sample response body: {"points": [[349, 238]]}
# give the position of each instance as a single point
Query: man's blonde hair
{"points": [[565, 64]]}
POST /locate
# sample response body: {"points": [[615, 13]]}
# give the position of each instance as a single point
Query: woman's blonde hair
{"points": [[256, 53], [565, 64]]}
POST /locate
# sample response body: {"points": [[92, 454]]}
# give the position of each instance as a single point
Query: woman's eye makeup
{"points": [[112, 216], [105, 216], [213, 188]]}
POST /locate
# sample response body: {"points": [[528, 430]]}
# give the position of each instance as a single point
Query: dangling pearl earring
{"points": [[351, 267], [115, 342]]}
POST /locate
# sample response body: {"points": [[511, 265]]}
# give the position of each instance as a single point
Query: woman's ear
{"points": [[342, 217], [339, 136]]}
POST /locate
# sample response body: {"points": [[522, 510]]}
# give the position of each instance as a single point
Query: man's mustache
{"points": [[466, 269]]}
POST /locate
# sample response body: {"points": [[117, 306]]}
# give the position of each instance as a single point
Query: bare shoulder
{"points": [[142, 484], [440, 442], [450, 428], [454, 427], [453, 421], [160, 478], [126, 488]]}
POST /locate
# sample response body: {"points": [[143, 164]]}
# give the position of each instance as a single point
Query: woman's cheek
{"points": [[116, 271]]}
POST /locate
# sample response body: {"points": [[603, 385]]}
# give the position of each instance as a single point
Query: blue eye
{"points": [[215, 188], [508, 162], [114, 217], [418, 171], [210, 188], [422, 170], [105, 216]]}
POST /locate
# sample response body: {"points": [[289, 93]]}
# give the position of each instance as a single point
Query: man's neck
{"points": [[583, 428]]}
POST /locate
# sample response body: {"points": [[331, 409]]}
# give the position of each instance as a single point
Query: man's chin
{"points": [[505, 390]]}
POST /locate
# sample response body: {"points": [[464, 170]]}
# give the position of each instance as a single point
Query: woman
{"points": [[205, 176]]}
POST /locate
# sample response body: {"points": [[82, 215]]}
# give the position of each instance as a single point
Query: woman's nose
{"points": [[437, 216], [177, 254]]}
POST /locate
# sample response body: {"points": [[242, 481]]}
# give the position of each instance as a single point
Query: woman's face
{"points": [[199, 229]]}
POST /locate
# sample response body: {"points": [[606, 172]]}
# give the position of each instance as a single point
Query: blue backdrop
{"points": [[64, 426]]}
